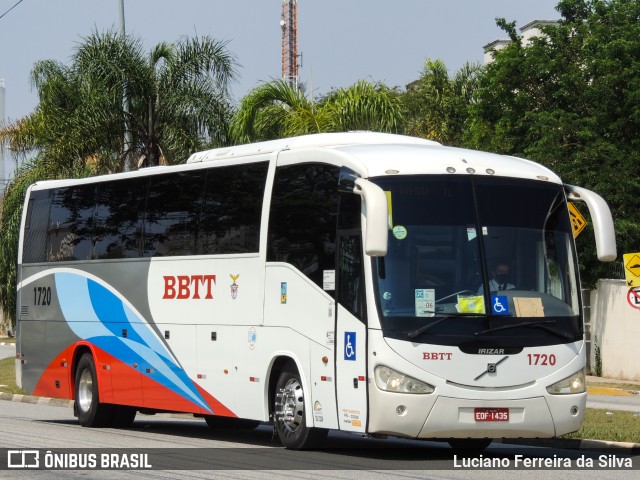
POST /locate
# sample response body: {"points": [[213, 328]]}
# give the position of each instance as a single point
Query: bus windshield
{"points": [[478, 257]]}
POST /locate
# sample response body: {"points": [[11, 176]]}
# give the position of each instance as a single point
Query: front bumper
{"points": [[426, 416]]}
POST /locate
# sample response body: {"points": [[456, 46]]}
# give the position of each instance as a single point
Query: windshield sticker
{"points": [[399, 232], [500, 304], [470, 304], [471, 233], [425, 302]]}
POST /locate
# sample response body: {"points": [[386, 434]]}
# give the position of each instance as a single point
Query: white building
{"points": [[527, 32]]}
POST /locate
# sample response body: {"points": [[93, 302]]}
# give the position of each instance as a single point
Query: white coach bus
{"points": [[326, 282]]}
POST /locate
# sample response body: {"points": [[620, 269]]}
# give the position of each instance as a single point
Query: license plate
{"points": [[491, 414]]}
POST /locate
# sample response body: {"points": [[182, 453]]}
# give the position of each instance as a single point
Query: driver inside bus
{"points": [[499, 278]]}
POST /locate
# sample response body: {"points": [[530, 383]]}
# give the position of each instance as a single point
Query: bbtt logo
{"points": [[182, 287]]}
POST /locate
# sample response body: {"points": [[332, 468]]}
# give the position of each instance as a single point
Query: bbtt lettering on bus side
{"points": [[182, 287]]}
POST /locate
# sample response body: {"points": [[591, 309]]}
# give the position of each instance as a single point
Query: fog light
{"points": [[574, 410], [400, 409]]}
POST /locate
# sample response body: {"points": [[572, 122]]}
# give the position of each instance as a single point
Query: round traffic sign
{"points": [[633, 297]]}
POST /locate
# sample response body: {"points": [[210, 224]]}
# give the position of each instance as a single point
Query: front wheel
{"points": [[91, 413], [289, 414]]}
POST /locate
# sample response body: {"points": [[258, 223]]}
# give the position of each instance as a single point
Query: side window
{"points": [[303, 218], [35, 232], [173, 207], [350, 279], [71, 224], [232, 209], [118, 223], [350, 282], [350, 212]]}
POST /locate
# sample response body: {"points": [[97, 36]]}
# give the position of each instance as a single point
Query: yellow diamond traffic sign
{"points": [[577, 220], [632, 269]]}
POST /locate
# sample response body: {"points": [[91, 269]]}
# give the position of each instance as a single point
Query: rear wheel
{"points": [[289, 413], [91, 413]]}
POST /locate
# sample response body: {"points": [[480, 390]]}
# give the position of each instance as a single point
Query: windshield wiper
{"points": [[539, 324], [426, 327]]}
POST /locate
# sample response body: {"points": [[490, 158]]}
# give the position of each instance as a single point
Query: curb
{"points": [[610, 391], [561, 443], [54, 402]]}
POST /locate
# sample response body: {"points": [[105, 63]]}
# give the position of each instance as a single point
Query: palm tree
{"points": [[178, 96], [179, 102], [276, 110], [436, 106]]}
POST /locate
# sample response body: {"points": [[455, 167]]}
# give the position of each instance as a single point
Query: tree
{"points": [[276, 110], [571, 100], [436, 106]]}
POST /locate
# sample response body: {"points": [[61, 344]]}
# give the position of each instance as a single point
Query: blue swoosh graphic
{"points": [[98, 315]]}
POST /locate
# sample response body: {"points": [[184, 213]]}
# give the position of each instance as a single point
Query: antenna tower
{"points": [[289, 24]]}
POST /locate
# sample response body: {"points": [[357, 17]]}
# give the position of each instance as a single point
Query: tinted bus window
{"points": [[35, 233], [303, 218], [232, 209], [118, 224], [71, 223], [171, 219]]}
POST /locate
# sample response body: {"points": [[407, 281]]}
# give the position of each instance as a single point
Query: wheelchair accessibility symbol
{"points": [[350, 346], [500, 304]]}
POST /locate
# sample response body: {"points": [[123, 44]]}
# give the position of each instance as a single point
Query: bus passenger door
{"points": [[351, 334]]}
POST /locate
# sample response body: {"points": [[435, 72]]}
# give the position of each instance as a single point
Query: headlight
{"points": [[389, 380], [574, 384]]}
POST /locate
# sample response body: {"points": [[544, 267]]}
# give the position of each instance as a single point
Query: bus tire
{"points": [[123, 416], [91, 413], [289, 413], [477, 444]]}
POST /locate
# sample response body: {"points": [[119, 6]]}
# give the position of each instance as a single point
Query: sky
{"points": [[341, 41]]}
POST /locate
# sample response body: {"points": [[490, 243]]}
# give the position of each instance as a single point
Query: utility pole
{"points": [[125, 104], [289, 24]]}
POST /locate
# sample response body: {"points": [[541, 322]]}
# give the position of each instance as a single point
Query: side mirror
{"points": [[602, 221], [376, 214]]}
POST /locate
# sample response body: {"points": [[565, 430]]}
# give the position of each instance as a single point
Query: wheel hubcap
{"points": [[85, 390], [290, 399]]}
